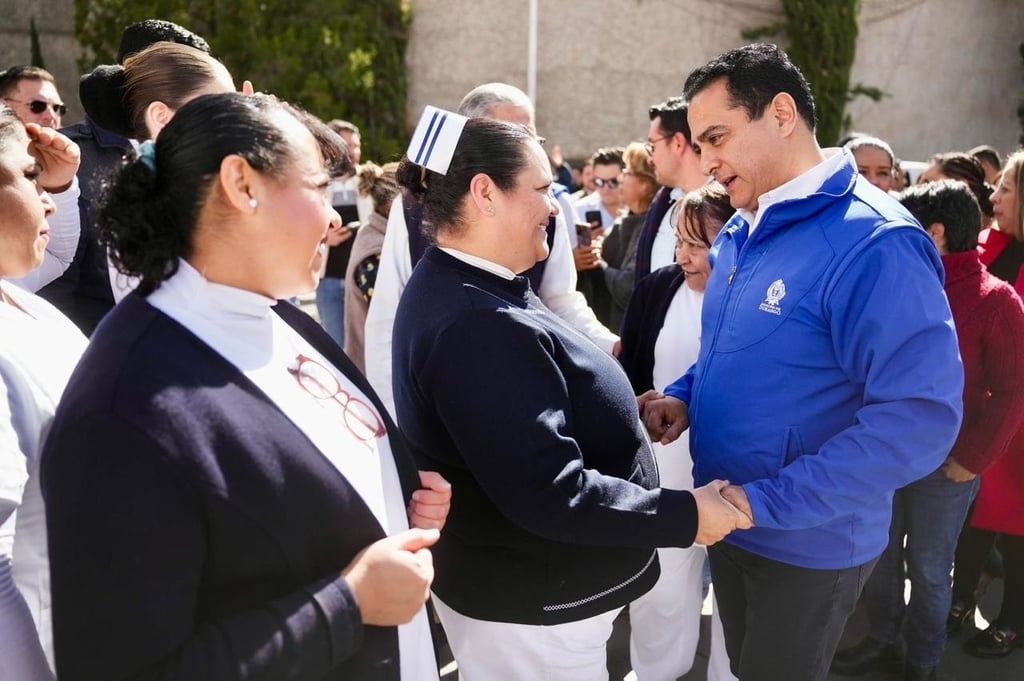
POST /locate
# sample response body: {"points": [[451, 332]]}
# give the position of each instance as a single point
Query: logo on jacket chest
{"points": [[776, 292]]}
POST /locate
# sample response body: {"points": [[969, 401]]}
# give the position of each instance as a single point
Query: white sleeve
{"points": [[65, 227], [392, 275], [558, 290], [21, 653]]}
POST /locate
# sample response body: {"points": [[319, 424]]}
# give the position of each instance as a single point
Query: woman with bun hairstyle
{"points": [[380, 185], [556, 510], [125, 102], [227, 498]]}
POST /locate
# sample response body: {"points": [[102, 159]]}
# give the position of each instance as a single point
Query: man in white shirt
{"points": [[677, 169], [557, 287]]}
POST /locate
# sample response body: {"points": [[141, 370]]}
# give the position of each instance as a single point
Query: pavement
{"points": [[956, 665]]}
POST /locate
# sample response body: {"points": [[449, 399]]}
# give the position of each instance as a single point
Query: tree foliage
{"points": [[823, 42], [335, 58]]}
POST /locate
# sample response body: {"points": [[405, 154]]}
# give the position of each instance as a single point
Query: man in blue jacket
{"points": [[828, 375]]}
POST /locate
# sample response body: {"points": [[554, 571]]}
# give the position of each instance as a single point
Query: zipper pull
{"points": [[732, 274]]}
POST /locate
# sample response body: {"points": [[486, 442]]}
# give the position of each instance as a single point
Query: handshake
{"points": [[721, 507]]}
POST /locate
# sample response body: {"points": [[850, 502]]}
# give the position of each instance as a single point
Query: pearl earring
{"points": [[253, 203], [490, 209]]}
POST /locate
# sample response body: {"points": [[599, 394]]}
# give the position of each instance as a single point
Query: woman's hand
{"points": [[430, 505], [57, 155], [716, 517], [391, 577]]}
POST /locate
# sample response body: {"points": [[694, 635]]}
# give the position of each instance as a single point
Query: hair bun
{"points": [[102, 94]]}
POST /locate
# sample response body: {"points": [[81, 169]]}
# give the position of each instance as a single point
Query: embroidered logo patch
{"points": [[776, 292]]}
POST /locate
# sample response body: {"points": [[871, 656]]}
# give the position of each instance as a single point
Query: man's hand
{"points": [[57, 155], [737, 496], [430, 505], [716, 517], [955, 472], [391, 577], [665, 417]]}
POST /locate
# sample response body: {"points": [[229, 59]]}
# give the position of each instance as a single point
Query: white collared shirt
{"points": [[799, 187]]}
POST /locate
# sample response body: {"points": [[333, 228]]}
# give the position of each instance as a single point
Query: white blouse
{"points": [[39, 349], [241, 327]]}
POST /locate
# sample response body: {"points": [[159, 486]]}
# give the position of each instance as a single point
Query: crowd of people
{"points": [[530, 407]]}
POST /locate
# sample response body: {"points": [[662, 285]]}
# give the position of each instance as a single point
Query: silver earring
{"points": [[490, 209], [253, 203]]}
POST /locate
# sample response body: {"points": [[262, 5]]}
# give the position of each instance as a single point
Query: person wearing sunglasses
{"points": [[31, 92], [226, 495], [607, 196]]}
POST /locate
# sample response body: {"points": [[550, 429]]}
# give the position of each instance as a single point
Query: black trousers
{"points": [[781, 622], [971, 552]]}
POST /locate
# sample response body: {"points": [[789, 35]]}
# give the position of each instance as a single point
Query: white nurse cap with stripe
{"points": [[434, 141]]}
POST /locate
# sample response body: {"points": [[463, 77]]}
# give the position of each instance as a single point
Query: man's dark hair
{"points": [[754, 74], [10, 78], [140, 35], [672, 113], [951, 203], [609, 156]]}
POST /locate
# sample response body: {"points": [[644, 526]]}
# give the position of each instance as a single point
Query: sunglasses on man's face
{"points": [[38, 106], [612, 183]]}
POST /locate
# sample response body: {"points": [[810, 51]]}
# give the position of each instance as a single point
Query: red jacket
{"points": [[989, 320]]}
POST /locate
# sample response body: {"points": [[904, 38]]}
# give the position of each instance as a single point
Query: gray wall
{"points": [[55, 22], [950, 67]]}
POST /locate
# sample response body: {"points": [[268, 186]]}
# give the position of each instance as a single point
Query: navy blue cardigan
{"points": [[195, 533], [555, 507], [644, 318]]}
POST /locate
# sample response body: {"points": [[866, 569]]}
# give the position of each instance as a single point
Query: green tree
{"points": [[335, 58], [37, 48], [823, 42]]}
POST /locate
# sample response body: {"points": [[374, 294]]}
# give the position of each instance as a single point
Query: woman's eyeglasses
{"points": [[38, 106], [320, 383]]}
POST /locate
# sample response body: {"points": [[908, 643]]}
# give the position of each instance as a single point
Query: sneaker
{"points": [[996, 641]]}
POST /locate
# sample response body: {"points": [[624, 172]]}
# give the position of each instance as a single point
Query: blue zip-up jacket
{"points": [[829, 374]]}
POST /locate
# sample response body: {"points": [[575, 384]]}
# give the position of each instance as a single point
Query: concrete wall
{"points": [[55, 22], [950, 68]]}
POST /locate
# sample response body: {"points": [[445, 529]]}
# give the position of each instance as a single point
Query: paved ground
{"points": [[956, 664]]}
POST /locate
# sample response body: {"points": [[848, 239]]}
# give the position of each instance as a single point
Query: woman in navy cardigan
{"points": [[556, 508], [226, 495]]}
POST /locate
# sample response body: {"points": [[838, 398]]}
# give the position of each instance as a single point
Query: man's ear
{"points": [[937, 231], [239, 184], [783, 112]]}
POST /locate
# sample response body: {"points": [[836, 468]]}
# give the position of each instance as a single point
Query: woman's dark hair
{"points": [[958, 165], [116, 97], [494, 148], [754, 74], [703, 212], [149, 214], [950, 203]]}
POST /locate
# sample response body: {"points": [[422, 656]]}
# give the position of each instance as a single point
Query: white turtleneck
{"points": [[240, 326]]}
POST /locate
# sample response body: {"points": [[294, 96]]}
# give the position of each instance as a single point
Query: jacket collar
{"points": [[961, 265]]}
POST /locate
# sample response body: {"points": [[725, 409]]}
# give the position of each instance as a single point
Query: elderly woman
{"points": [[226, 496], [555, 509], [660, 341], [38, 351], [618, 252]]}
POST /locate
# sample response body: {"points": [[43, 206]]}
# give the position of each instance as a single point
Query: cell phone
{"points": [[582, 234], [593, 218], [353, 226]]}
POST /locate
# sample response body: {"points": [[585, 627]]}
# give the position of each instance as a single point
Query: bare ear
{"points": [[482, 192], [937, 231], [158, 115], [239, 184], [784, 113]]}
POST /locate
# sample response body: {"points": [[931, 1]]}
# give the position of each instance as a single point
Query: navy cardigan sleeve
{"points": [[135, 534]]}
